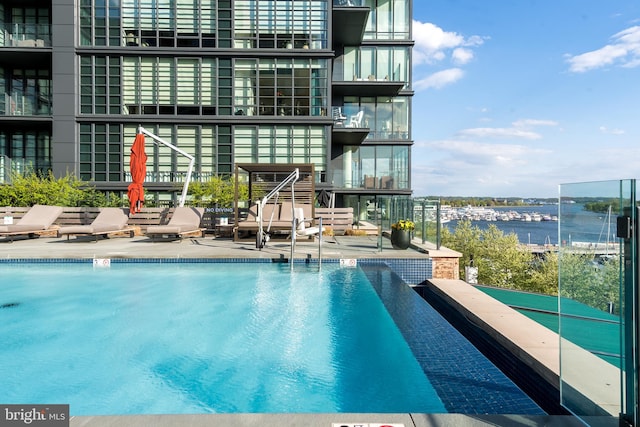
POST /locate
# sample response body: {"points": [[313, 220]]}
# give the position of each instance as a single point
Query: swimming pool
{"points": [[148, 338]]}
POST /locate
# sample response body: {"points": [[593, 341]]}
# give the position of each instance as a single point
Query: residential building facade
{"points": [[326, 82]]}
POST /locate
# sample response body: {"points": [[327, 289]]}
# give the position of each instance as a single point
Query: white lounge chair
{"points": [[37, 220], [108, 221]]}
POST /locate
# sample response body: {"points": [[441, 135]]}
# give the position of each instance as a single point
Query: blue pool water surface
{"points": [[204, 338]]}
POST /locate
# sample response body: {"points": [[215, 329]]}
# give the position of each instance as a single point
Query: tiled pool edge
{"points": [[456, 369], [412, 271]]}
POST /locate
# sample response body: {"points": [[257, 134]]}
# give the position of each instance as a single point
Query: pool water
{"points": [[182, 338]]}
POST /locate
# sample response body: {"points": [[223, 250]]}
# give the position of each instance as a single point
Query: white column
{"points": [[347, 170]]}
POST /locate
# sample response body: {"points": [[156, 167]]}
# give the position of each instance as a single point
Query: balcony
{"points": [[348, 129], [25, 35], [371, 86], [355, 180], [18, 105], [349, 21]]}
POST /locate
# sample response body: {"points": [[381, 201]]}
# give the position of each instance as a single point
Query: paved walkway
{"points": [[208, 247]]}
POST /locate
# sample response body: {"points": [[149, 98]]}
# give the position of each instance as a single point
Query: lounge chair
{"points": [[184, 221], [35, 221], [108, 221]]}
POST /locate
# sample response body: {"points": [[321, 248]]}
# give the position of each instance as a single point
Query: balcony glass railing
{"points": [[25, 35], [348, 117], [175, 176], [348, 3], [362, 181], [25, 105]]}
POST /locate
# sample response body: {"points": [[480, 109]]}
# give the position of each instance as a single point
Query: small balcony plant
{"points": [[401, 233], [404, 224]]}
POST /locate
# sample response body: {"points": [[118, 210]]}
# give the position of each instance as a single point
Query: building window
{"points": [[29, 92], [182, 86], [388, 20], [101, 156], [165, 165], [280, 87], [379, 167], [27, 151], [380, 63], [169, 23], [280, 24], [386, 117], [281, 144], [100, 23], [28, 27], [100, 85]]}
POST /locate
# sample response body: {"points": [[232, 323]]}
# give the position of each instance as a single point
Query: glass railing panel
{"points": [[348, 3], [4, 169], [428, 220], [20, 105], [26, 35], [348, 117], [590, 303], [175, 176]]}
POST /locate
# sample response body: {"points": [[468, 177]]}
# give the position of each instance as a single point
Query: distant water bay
{"points": [[576, 224]]}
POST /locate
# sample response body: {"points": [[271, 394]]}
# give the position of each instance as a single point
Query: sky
{"points": [[514, 98]]}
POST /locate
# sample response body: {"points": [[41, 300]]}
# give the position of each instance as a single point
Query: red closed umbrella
{"points": [[138, 167]]}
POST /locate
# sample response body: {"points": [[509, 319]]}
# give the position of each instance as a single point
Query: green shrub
{"points": [[218, 191], [32, 188]]}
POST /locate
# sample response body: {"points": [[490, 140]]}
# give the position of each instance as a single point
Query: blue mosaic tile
{"points": [[466, 381], [411, 270]]}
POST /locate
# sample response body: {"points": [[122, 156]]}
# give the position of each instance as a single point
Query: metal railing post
{"points": [[320, 244]]}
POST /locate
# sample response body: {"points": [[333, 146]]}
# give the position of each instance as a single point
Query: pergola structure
{"points": [[261, 178]]}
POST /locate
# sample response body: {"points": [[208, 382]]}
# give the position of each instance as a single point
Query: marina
{"points": [[534, 225], [542, 227], [470, 213]]}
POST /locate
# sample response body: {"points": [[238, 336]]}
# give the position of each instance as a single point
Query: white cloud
{"points": [[462, 55], [624, 51], [605, 130], [433, 44], [534, 123], [520, 129], [499, 133], [439, 79], [472, 168]]}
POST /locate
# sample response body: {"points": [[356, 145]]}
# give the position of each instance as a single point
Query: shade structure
{"points": [[138, 168]]}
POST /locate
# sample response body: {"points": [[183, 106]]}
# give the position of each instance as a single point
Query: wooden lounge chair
{"points": [[35, 221], [108, 221], [183, 222]]}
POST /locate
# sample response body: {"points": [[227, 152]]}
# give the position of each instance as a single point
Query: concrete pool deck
{"points": [[334, 247], [205, 247]]}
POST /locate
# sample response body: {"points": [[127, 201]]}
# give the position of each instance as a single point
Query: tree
{"points": [[589, 282], [217, 191], [544, 275], [500, 259]]}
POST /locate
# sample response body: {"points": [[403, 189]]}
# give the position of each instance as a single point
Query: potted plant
{"points": [[401, 233]]}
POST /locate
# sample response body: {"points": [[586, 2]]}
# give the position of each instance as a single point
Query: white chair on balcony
{"points": [[338, 117], [356, 120]]}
